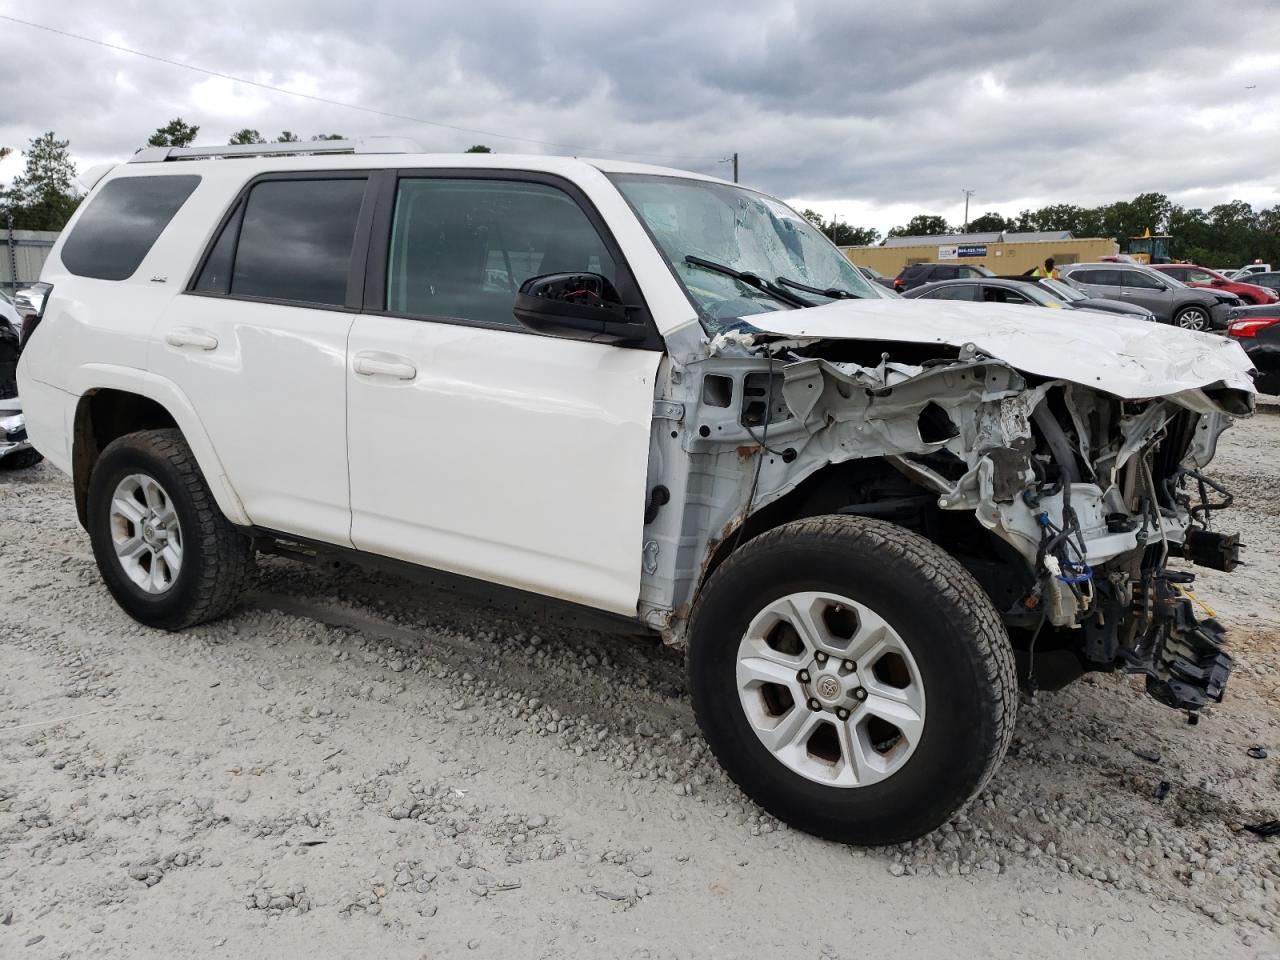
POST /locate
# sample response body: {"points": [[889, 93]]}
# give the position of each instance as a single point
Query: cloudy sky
{"points": [[873, 111]]}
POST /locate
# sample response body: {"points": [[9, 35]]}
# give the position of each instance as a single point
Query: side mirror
{"points": [[1217, 282], [580, 306]]}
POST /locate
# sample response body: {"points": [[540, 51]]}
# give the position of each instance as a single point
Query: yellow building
{"points": [[1001, 253]]}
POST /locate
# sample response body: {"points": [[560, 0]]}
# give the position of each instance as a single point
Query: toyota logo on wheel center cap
{"points": [[828, 687]]}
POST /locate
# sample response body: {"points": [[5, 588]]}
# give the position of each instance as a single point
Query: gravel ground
{"points": [[352, 766]]}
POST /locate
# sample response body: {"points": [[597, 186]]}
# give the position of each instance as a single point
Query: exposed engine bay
{"points": [[1067, 502]]}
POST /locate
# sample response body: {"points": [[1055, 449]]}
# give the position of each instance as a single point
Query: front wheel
{"points": [[1192, 318], [852, 678], [165, 551]]}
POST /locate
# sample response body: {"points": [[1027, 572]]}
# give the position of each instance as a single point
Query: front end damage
{"points": [[1071, 506]]}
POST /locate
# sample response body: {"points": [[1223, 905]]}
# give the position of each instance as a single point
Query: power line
{"points": [[346, 106]]}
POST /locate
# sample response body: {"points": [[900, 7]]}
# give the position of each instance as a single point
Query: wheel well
{"points": [[842, 487], [103, 416]]}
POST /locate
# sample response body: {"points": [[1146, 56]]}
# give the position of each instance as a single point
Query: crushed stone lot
{"points": [[353, 766]]}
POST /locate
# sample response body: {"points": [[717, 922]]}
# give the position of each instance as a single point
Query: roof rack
{"points": [[311, 148]]}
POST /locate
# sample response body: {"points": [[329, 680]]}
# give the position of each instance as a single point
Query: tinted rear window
{"points": [[122, 223], [296, 240]]}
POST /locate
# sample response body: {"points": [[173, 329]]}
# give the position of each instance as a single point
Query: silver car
{"points": [[1170, 300]]}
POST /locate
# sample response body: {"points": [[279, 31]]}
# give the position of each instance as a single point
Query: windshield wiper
{"points": [[832, 293], [753, 280]]}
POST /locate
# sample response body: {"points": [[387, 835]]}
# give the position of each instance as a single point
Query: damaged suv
{"points": [[638, 398]]}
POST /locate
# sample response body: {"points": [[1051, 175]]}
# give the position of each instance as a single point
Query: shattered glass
{"points": [[741, 229]]}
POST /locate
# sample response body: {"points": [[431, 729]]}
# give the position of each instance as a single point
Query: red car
{"points": [[1194, 276]]}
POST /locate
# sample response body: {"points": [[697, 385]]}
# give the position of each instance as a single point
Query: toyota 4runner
{"points": [[644, 397]]}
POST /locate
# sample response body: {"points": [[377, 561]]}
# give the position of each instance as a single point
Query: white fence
{"points": [[22, 255]]}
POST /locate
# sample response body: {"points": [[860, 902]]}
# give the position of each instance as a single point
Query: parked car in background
{"points": [[1073, 297], [921, 273], [1194, 276], [1007, 290], [875, 276], [1270, 280], [16, 451], [1169, 299], [1257, 329], [1251, 268]]}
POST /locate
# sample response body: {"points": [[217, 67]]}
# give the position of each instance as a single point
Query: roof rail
{"points": [[311, 148]]}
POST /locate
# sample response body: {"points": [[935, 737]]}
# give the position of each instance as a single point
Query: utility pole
{"points": [[967, 195], [734, 161]]}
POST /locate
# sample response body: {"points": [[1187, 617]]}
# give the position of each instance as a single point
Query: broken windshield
{"points": [[745, 231]]}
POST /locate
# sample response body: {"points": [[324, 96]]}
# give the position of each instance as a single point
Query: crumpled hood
{"points": [[1131, 359]]}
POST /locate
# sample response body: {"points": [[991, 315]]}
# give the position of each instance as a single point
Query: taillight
{"points": [[30, 303], [1250, 327]]}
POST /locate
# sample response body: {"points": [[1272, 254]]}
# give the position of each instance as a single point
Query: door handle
{"points": [[187, 337], [384, 365]]}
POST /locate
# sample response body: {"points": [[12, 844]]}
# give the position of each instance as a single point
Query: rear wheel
{"points": [[165, 551], [1192, 318], [852, 678]]}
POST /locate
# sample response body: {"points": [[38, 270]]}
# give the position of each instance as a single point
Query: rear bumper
{"points": [[1265, 356], [50, 414]]}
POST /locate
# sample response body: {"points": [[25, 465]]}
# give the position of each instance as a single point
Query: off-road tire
{"points": [[217, 558], [951, 629], [21, 460]]}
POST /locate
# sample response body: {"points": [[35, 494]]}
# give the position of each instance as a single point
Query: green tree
{"points": [[990, 223], [922, 225], [842, 234], [44, 196], [246, 136], [478, 148], [176, 133], [288, 136], [328, 136]]}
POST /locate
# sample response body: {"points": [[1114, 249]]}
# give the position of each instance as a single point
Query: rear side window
{"points": [[295, 241], [122, 223], [1103, 278], [959, 291], [1140, 281]]}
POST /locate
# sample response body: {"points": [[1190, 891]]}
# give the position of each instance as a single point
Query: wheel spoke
{"points": [[859, 765], [154, 495], [791, 732], [902, 715], [172, 557], [755, 670], [873, 639], [131, 549], [127, 507], [799, 609]]}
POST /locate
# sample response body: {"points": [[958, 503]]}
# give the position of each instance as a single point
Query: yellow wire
{"points": [[1198, 602]]}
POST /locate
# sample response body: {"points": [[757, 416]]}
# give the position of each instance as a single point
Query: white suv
{"points": [[649, 396]]}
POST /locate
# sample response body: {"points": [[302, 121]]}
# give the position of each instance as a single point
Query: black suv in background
{"points": [[920, 273]]}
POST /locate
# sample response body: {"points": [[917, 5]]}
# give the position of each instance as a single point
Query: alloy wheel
{"points": [[1193, 318], [831, 689], [145, 533]]}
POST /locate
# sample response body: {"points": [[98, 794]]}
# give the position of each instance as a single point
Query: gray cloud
{"points": [[828, 101]]}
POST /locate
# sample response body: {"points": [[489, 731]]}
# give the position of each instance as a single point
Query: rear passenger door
{"points": [[479, 447], [1097, 282], [258, 343], [1147, 291]]}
